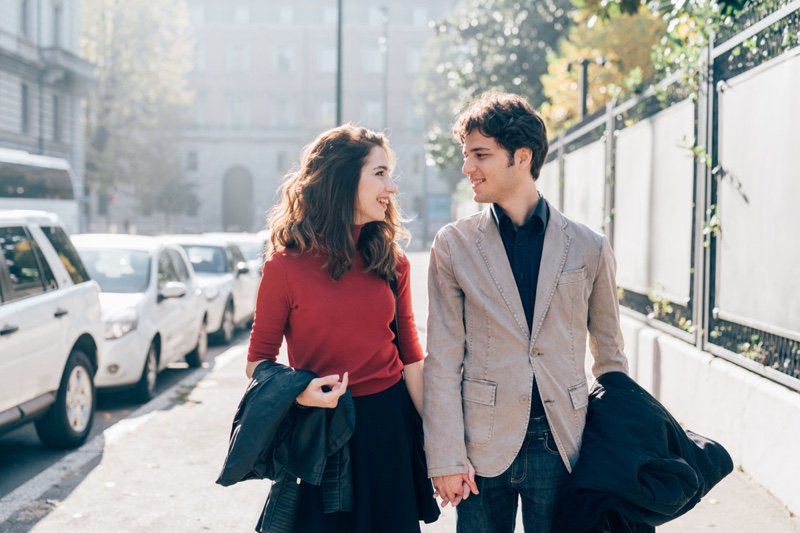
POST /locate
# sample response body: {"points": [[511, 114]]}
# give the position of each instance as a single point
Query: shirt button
{"points": [[523, 400]]}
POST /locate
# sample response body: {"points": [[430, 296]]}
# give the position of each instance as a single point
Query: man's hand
{"points": [[315, 396], [455, 487]]}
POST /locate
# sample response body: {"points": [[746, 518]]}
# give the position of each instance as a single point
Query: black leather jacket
{"points": [[273, 439], [638, 468]]}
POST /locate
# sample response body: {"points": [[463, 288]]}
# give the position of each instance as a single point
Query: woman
{"points": [[325, 288]]}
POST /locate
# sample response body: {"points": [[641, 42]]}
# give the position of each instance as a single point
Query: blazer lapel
{"points": [[490, 246], [554, 256]]}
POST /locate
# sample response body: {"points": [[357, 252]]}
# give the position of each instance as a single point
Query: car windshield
{"points": [[207, 259], [125, 271], [251, 250]]}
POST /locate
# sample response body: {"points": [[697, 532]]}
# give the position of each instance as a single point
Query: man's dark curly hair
{"points": [[510, 121]]}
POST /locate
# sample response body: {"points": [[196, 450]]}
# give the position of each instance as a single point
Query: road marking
{"points": [[54, 474]]}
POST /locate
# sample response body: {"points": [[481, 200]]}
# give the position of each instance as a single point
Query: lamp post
{"points": [[338, 62], [384, 48], [584, 81]]}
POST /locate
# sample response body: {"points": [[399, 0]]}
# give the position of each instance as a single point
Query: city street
{"points": [[154, 469]]}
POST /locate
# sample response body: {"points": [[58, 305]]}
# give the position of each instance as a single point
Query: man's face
{"points": [[486, 164]]}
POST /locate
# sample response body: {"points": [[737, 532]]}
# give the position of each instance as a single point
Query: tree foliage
{"points": [[142, 52], [483, 45], [618, 50]]}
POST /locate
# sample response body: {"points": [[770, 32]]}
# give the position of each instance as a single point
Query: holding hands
{"points": [[323, 392], [456, 487]]}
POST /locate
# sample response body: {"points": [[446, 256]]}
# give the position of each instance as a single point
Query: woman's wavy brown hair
{"points": [[317, 208]]}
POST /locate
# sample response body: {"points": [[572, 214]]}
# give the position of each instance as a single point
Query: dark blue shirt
{"points": [[524, 250]]}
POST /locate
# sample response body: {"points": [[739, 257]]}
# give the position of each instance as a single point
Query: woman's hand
{"points": [[315, 396]]}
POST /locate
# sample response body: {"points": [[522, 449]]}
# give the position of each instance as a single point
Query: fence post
{"points": [[701, 278], [610, 176]]}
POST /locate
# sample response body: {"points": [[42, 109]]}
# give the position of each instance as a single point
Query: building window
{"points": [[413, 60], [281, 164], [56, 119], [285, 16], [327, 60], [283, 113], [241, 15], [197, 14], [238, 58], [375, 16], [238, 111], [24, 109], [199, 57], [372, 113], [415, 120], [330, 17], [283, 59], [419, 17], [371, 61], [199, 109], [327, 113], [57, 25], [191, 160], [24, 18]]}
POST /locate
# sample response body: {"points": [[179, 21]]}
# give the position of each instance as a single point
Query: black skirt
{"points": [[390, 482]]}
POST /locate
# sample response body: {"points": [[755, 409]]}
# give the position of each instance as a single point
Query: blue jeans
{"points": [[536, 475]]}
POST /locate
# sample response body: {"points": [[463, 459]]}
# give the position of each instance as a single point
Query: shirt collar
{"points": [[540, 215]]}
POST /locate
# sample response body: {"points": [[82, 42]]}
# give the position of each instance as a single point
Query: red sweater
{"points": [[333, 327]]}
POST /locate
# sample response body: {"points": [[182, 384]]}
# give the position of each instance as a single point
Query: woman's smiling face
{"points": [[375, 188]]}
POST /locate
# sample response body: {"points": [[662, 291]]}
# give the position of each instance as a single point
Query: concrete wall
{"points": [[757, 420]]}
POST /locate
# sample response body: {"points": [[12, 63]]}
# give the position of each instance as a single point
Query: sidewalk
{"points": [[155, 473]]}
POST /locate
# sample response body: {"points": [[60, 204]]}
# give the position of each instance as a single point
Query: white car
{"points": [[252, 246], [154, 308], [51, 332], [228, 283]]}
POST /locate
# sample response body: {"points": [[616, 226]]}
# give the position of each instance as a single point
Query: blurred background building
{"points": [[43, 80], [265, 86]]}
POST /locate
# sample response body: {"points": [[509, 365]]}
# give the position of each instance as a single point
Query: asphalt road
{"points": [[22, 455]]}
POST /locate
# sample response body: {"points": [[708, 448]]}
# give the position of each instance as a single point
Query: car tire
{"points": [[228, 326], [145, 389], [69, 420], [197, 356]]}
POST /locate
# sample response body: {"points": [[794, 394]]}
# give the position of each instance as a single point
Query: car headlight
{"points": [[121, 323], [210, 292]]}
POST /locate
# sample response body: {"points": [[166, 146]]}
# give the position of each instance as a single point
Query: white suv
{"points": [[50, 330]]}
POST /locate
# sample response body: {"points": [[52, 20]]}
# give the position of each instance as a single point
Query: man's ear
{"points": [[523, 157]]}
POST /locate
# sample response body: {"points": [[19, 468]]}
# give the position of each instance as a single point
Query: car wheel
{"points": [[69, 420], [226, 329], [145, 389], [196, 357]]}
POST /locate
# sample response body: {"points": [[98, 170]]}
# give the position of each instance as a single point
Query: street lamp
{"points": [[384, 48], [584, 80]]}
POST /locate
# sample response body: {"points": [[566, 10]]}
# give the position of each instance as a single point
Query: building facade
{"points": [[43, 80], [265, 83]]}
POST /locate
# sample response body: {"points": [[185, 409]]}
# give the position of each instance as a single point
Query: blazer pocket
{"points": [[579, 394], [572, 276], [479, 401]]}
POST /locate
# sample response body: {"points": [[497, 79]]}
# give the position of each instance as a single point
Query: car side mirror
{"points": [[171, 289], [242, 268]]}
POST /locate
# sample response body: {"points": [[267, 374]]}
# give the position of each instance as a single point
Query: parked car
{"points": [[154, 308], [51, 331], [226, 278], [252, 246]]}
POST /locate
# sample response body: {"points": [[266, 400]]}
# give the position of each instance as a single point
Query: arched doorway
{"points": [[237, 200]]}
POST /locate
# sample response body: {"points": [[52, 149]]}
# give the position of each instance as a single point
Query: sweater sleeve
{"points": [[410, 349], [273, 306]]}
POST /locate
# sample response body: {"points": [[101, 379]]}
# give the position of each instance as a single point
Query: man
{"points": [[514, 292]]}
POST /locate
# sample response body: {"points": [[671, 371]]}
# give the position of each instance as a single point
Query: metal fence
{"points": [[697, 187]]}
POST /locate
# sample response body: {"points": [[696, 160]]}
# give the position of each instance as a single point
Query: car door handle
{"points": [[8, 330], [60, 312]]}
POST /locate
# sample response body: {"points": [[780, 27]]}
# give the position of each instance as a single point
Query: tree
{"points": [[483, 45], [142, 52], [624, 42]]}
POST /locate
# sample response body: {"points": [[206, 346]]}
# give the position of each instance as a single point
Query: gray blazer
{"points": [[482, 358]]}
